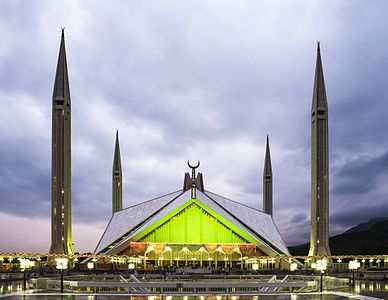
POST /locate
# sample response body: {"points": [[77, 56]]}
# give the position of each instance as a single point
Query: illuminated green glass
{"points": [[194, 223]]}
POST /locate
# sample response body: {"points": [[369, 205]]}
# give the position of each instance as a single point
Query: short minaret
{"points": [[61, 238], [117, 179], [267, 182], [319, 235]]}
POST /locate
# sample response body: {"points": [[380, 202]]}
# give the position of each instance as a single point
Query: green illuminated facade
{"points": [[193, 223]]}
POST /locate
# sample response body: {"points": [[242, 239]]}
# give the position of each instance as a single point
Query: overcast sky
{"points": [[200, 80]]}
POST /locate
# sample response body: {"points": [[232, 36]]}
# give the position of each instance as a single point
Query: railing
{"points": [[183, 288]]}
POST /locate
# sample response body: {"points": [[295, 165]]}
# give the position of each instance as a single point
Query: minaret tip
{"points": [[318, 46]]}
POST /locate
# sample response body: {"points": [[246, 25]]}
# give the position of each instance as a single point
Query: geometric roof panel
{"points": [[124, 220]]}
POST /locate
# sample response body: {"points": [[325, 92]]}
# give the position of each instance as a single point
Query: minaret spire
{"points": [[61, 236], [267, 182], [319, 231], [117, 179]]}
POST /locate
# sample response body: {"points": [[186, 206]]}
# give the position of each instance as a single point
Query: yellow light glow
{"points": [[167, 249], [255, 267], [131, 266], [149, 249], [202, 249], [90, 265], [237, 250]]}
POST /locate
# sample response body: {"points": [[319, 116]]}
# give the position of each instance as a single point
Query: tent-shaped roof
{"points": [[126, 224]]}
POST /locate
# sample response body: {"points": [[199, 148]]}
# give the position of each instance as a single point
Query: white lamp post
{"points": [[25, 264], [321, 266], [61, 264], [353, 265]]}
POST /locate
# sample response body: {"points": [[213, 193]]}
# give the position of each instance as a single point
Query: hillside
{"points": [[366, 238]]}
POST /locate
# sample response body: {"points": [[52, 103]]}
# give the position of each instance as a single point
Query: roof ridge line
{"points": [[153, 199], [152, 215], [234, 201]]}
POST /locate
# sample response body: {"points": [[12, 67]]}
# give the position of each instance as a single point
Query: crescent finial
{"points": [[193, 167]]}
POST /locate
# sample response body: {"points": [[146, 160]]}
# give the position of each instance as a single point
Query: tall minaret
{"points": [[319, 236], [267, 182], [117, 187], [61, 239]]}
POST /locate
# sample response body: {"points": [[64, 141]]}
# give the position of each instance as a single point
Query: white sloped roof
{"points": [[261, 223], [123, 221], [129, 222]]}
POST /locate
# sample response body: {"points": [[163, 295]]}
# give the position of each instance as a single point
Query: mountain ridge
{"points": [[365, 238]]}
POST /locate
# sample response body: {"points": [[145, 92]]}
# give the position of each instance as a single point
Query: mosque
{"points": [[190, 226]]}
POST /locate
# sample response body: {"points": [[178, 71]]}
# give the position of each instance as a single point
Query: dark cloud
{"points": [[298, 218], [360, 175]]}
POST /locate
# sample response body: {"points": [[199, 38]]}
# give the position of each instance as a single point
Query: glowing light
{"points": [[255, 266], [61, 263], [293, 267], [321, 264], [90, 265], [149, 249], [131, 266], [354, 264], [25, 263], [202, 249], [167, 249], [219, 249], [237, 250]]}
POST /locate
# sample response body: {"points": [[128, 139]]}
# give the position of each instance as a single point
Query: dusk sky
{"points": [[199, 80]]}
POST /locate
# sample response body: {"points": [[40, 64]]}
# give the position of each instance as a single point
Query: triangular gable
{"points": [[122, 222], [193, 223]]}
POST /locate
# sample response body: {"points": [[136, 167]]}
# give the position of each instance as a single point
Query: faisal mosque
{"points": [[189, 226]]}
